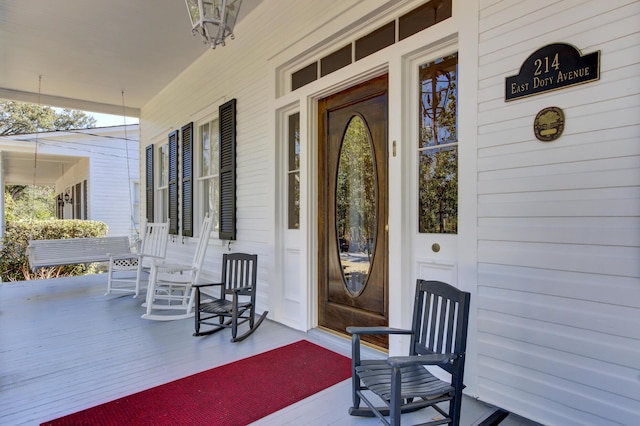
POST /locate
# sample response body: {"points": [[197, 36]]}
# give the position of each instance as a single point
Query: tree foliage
{"points": [[356, 186], [28, 201], [20, 118]]}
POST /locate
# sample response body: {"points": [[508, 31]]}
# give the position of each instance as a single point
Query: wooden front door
{"points": [[352, 209]]}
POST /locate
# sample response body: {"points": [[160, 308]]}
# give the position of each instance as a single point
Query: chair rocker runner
{"points": [[171, 284], [438, 339], [236, 303], [122, 266]]}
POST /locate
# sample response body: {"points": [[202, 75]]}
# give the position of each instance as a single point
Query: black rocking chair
{"points": [[438, 338], [236, 303]]}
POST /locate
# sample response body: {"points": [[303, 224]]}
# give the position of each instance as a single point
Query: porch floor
{"points": [[64, 347]]}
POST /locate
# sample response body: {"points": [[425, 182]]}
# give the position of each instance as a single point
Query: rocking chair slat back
{"points": [[440, 314], [155, 240], [240, 274]]}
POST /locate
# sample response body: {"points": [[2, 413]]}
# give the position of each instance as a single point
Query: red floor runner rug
{"points": [[233, 394]]}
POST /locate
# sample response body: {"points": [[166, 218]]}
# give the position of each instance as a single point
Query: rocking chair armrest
{"points": [[149, 256], [376, 330], [198, 286], [171, 267], [431, 359]]}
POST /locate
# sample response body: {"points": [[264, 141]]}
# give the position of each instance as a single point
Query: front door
{"points": [[352, 209]]}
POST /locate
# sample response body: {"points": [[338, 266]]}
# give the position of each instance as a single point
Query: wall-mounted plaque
{"points": [[552, 67], [549, 124]]}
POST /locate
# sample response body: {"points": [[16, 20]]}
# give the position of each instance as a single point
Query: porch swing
{"points": [[76, 251]]}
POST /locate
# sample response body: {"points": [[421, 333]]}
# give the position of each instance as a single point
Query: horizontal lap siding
{"points": [[109, 186], [240, 70], [558, 223]]}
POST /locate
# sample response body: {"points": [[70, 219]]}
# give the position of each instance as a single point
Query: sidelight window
{"points": [[438, 146], [294, 171]]}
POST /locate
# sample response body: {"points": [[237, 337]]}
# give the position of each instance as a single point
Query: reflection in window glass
{"points": [[294, 171], [438, 147], [162, 198], [209, 171], [356, 205]]}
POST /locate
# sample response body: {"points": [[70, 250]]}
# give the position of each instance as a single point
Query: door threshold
{"points": [[342, 342]]}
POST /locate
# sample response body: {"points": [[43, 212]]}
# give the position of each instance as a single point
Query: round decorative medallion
{"points": [[549, 124]]}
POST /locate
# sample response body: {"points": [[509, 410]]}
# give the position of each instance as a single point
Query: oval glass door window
{"points": [[356, 205]]}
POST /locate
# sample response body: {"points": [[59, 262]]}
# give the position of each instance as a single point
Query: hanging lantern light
{"points": [[213, 19]]}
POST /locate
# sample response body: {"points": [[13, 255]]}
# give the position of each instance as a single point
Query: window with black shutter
{"points": [[173, 182], [187, 180], [149, 183], [228, 170]]}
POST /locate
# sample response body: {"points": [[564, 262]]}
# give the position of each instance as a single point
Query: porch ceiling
{"points": [[89, 51], [17, 168]]}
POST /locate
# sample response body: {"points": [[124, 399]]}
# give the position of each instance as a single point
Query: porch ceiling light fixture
{"points": [[213, 19]]}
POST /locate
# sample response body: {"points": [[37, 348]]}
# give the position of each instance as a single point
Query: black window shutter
{"points": [[187, 181], [228, 170], [149, 182], [77, 201], [173, 183], [85, 199]]}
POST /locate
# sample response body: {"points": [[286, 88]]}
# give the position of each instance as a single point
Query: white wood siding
{"points": [[240, 70], [558, 229], [110, 183]]}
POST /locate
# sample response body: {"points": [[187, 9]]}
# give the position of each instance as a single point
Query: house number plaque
{"points": [[552, 67]]}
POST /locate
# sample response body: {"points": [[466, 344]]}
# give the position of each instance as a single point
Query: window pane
{"points": [[209, 137], [205, 137], [438, 147], [211, 197], [215, 148], [438, 188], [376, 40], [294, 171], [294, 200], [304, 76], [164, 165], [438, 94]]}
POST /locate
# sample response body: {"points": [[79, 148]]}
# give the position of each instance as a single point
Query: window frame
{"points": [[202, 180], [161, 191]]}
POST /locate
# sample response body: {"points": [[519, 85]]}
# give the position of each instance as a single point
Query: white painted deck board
{"points": [[64, 347]]}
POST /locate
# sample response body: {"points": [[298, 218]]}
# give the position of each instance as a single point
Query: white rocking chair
{"points": [[122, 266], [171, 285]]}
